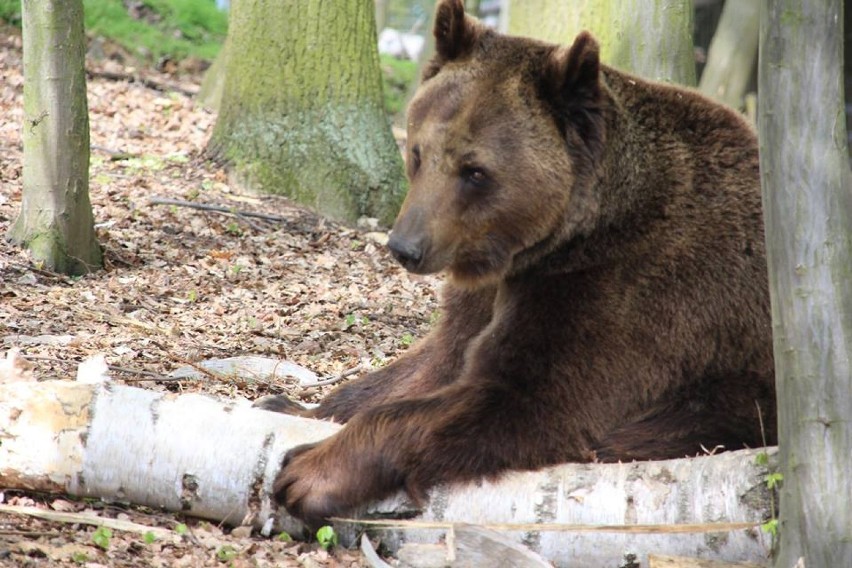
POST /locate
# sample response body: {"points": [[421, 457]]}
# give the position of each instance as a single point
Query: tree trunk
{"points": [[423, 59], [217, 459], [56, 222], [807, 197], [733, 53], [381, 14], [213, 83], [847, 71], [472, 7], [652, 38], [301, 111]]}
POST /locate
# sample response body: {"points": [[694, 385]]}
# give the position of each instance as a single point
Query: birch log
{"points": [[216, 460], [192, 453]]}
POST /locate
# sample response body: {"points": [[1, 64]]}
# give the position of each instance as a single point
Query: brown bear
{"points": [[606, 294]]}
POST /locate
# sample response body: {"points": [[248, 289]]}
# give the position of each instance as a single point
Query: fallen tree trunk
{"points": [[594, 515], [208, 458], [217, 459]]}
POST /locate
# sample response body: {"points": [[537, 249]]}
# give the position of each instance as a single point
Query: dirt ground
{"points": [[183, 285]]}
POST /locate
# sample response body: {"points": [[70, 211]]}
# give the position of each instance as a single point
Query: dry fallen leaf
{"points": [[64, 505]]}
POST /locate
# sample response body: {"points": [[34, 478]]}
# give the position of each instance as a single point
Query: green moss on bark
{"points": [[301, 112]]}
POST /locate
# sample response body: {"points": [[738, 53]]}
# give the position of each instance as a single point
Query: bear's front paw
{"points": [[305, 486], [317, 482]]}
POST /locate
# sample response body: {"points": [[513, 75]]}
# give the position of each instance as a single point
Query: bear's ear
{"points": [[455, 33], [572, 74], [570, 86]]}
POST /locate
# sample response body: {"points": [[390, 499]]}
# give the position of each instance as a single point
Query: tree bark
{"points": [[213, 83], [423, 59], [733, 53], [56, 222], [847, 71], [301, 110], [652, 38], [217, 459], [807, 197], [381, 14]]}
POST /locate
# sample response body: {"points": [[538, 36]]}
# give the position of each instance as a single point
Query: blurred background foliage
{"points": [[154, 30]]}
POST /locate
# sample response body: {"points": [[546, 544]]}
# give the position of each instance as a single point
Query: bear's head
{"points": [[504, 134]]}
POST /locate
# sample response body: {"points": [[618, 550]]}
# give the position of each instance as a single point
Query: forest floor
{"points": [[182, 286]]}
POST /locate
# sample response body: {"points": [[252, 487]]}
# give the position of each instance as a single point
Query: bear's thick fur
{"points": [[606, 293]]}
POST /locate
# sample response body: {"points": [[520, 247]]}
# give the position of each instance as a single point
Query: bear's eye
{"points": [[474, 176], [415, 158]]}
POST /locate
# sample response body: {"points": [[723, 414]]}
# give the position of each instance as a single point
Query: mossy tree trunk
{"points": [[807, 197], [56, 222], [732, 53], [301, 111], [652, 38]]}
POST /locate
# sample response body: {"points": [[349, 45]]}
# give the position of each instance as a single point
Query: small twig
{"points": [[147, 82], [145, 375], [249, 222], [46, 358], [29, 533], [112, 318], [712, 452], [114, 155], [203, 370], [558, 527], [87, 519], [215, 209], [338, 378], [30, 268]]}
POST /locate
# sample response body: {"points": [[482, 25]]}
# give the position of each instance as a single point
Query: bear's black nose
{"points": [[407, 252]]}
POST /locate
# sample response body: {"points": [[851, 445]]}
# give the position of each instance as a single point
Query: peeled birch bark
{"points": [[217, 459]]}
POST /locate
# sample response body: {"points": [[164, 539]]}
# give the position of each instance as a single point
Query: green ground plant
{"points": [[101, 537], [162, 28], [327, 537], [397, 75]]}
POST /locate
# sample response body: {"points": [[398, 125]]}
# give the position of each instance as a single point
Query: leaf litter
{"points": [[182, 286]]}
